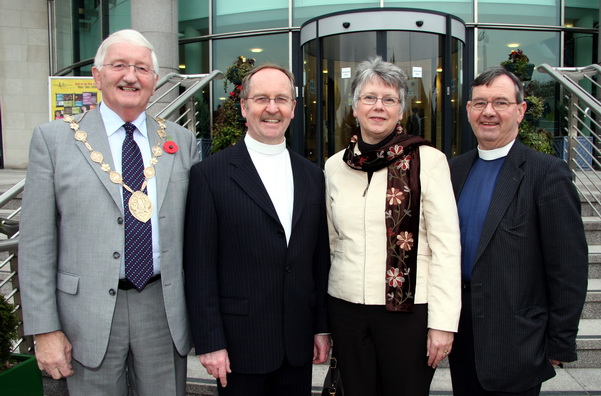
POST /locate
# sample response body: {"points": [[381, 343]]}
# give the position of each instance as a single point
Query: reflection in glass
{"points": [[274, 49], [540, 47], [240, 15], [418, 54], [303, 10], [459, 8], [518, 12], [86, 29], [193, 18]]}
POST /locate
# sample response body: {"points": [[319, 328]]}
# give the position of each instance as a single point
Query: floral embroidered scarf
{"points": [[401, 156]]}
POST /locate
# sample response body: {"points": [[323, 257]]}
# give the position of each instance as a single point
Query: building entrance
{"points": [[428, 46]]}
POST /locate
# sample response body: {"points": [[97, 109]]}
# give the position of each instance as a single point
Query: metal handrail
{"points": [[583, 129], [192, 82], [11, 280]]}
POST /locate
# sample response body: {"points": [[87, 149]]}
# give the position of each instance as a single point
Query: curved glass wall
{"points": [[430, 52], [213, 33]]}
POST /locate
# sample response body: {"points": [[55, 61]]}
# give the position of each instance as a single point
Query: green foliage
{"points": [[529, 133], [519, 64], [536, 138], [236, 72], [8, 331], [536, 106], [229, 126]]}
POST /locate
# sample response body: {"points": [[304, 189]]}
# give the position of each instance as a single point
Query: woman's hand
{"points": [[439, 346]]}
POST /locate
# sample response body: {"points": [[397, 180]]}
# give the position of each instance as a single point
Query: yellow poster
{"points": [[72, 95]]}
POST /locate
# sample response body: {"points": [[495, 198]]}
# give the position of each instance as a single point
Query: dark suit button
{"points": [[281, 233], [116, 255], [288, 269], [120, 220], [112, 292]]}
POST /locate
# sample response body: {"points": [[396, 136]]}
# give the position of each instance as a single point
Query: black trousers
{"points": [[287, 380], [463, 362], [380, 353]]}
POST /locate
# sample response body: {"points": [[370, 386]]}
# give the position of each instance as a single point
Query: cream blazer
{"points": [[357, 232]]}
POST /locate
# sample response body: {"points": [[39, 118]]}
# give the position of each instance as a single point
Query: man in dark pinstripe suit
{"points": [[524, 253], [256, 252]]}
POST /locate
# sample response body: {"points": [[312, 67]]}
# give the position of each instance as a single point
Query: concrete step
{"points": [[592, 229], [594, 261], [592, 305], [588, 344]]}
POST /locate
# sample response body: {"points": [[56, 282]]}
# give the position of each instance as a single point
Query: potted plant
{"points": [[19, 373], [519, 64], [229, 124], [530, 133]]}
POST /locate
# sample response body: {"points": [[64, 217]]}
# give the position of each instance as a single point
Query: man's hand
{"points": [[439, 346], [53, 353], [217, 364], [321, 348], [556, 363]]}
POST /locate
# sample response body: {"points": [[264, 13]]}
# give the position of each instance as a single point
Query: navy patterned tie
{"points": [[138, 235]]}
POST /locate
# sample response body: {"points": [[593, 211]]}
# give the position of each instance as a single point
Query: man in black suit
{"points": [[524, 253], [256, 252]]}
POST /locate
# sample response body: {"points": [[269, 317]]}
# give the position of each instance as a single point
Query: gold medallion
{"points": [[96, 157], [157, 151], [115, 177], [140, 206], [81, 136], [149, 172]]}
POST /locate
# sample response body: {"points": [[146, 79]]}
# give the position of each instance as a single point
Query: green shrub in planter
{"points": [[19, 374]]}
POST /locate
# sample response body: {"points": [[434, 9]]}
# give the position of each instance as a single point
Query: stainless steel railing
{"points": [[9, 267], [184, 108], [582, 128]]}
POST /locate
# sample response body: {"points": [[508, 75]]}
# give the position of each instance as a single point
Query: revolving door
{"points": [[428, 46]]}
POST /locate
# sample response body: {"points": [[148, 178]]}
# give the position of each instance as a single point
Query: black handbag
{"points": [[332, 385]]}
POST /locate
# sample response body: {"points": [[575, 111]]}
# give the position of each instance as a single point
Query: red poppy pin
{"points": [[170, 147]]}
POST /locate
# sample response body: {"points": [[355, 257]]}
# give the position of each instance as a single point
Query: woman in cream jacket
{"points": [[394, 282]]}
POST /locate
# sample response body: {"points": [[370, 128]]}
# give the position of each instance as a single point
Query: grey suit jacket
{"points": [[72, 235], [530, 272]]}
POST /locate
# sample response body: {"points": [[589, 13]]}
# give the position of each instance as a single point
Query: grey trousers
{"points": [[140, 352]]}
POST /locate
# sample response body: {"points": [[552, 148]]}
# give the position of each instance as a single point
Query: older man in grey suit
{"points": [[101, 236]]}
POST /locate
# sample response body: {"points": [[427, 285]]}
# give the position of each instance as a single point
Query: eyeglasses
{"points": [[386, 100], [265, 100], [498, 105], [119, 67]]}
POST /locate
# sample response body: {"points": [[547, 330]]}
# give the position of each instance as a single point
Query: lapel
{"points": [[301, 183], [460, 169], [92, 124], [164, 164], [509, 180], [246, 176]]}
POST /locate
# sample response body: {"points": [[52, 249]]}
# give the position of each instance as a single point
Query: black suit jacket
{"points": [[247, 291], [530, 272]]}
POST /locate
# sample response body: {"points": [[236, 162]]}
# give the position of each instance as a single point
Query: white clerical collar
{"points": [[490, 155], [263, 148]]}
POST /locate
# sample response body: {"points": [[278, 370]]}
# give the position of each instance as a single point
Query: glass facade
{"points": [[213, 33]]}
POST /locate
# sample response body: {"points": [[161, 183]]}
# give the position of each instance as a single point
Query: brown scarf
{"points": [[401, 156]]}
